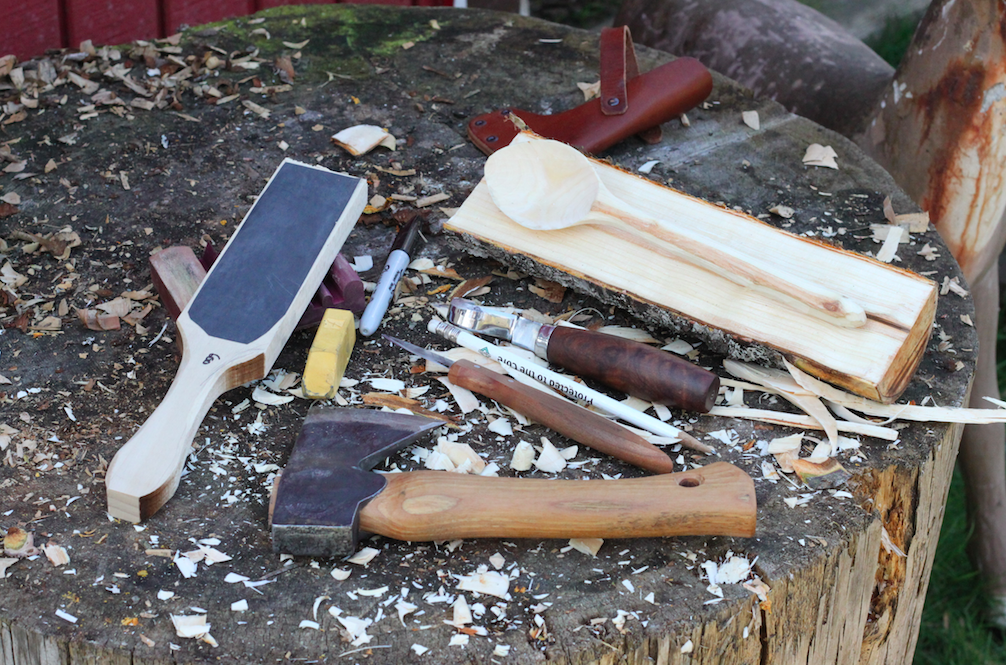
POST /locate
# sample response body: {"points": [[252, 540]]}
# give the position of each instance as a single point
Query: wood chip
{"points": [[820, 155], [254, 108], [550, 460], [589, 546], [887, 251], [361, 139], [430, 200], [828, 474]]}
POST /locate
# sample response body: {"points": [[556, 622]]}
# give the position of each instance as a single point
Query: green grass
{"points": [[954, 630], [891, 41]]}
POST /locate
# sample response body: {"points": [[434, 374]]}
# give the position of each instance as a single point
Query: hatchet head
{"points": [[329, 478]]}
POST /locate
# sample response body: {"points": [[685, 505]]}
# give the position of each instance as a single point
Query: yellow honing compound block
{"points": [[330, 351]]}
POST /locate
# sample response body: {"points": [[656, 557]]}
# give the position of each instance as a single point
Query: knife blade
{"points": [[565, 417]]}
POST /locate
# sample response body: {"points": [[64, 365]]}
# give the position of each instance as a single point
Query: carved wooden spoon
{"points": [[546, 185]]}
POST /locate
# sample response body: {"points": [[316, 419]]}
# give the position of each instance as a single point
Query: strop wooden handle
{"points": [[569, 419], [715, 500], [634, 368], [145, 472]]}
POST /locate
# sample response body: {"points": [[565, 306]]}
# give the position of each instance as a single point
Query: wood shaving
{"points": [[550, 460], [900, 411], [464, 398], [829, 474], [820, 155], [550, 291], [486, 581], [523, 457], [634, 334], [589, 90], [790, 390], [589, 546], [397, 402], [364, 556], [782, 211], [361, 139], [470, 286], [794, 420]]}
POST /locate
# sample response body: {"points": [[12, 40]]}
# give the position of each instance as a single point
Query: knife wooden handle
{"points": [[634, 368], [655, 97], [715, 500], [565, 417]]}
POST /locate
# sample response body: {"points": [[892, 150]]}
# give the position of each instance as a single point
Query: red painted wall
{"points": [[197, 12], [111, 21], [29, 27]]}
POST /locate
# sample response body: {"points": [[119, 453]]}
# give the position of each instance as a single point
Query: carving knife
{"points": [[631, 367], [566, 418]]}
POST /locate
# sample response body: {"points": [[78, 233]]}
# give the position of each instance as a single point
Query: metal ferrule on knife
{"points": [[501, 323]]}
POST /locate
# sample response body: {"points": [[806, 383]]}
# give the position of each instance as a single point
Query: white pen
{"points": [[563, 384], [394, 268]]}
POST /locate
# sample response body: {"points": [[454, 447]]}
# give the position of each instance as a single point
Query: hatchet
{"points": [[238, 321], [328, 497]]}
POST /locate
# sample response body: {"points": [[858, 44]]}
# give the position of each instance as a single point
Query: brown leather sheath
{"points": [[630, 103]]}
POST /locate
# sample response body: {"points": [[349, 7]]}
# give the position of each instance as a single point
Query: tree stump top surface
{"points": [[192, 171]]}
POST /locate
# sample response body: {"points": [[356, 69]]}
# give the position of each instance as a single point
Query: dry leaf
{"points": [[550, 291], [399, 402], [468, 286], [285, 67]]}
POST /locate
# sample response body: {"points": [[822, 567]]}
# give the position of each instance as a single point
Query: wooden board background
{"points": [[836, 595]]}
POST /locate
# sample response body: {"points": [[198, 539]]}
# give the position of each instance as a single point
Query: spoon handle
{"points": [[729, 263]]}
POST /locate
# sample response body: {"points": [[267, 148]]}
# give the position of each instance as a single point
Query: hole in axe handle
{"points": [[691, 481]]}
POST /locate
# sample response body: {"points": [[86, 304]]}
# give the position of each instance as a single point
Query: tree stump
{"points": [[129, 181]]}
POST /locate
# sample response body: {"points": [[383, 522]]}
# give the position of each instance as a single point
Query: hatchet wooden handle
{"points": [[566, 418], [715, 500], [634, 368]]}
